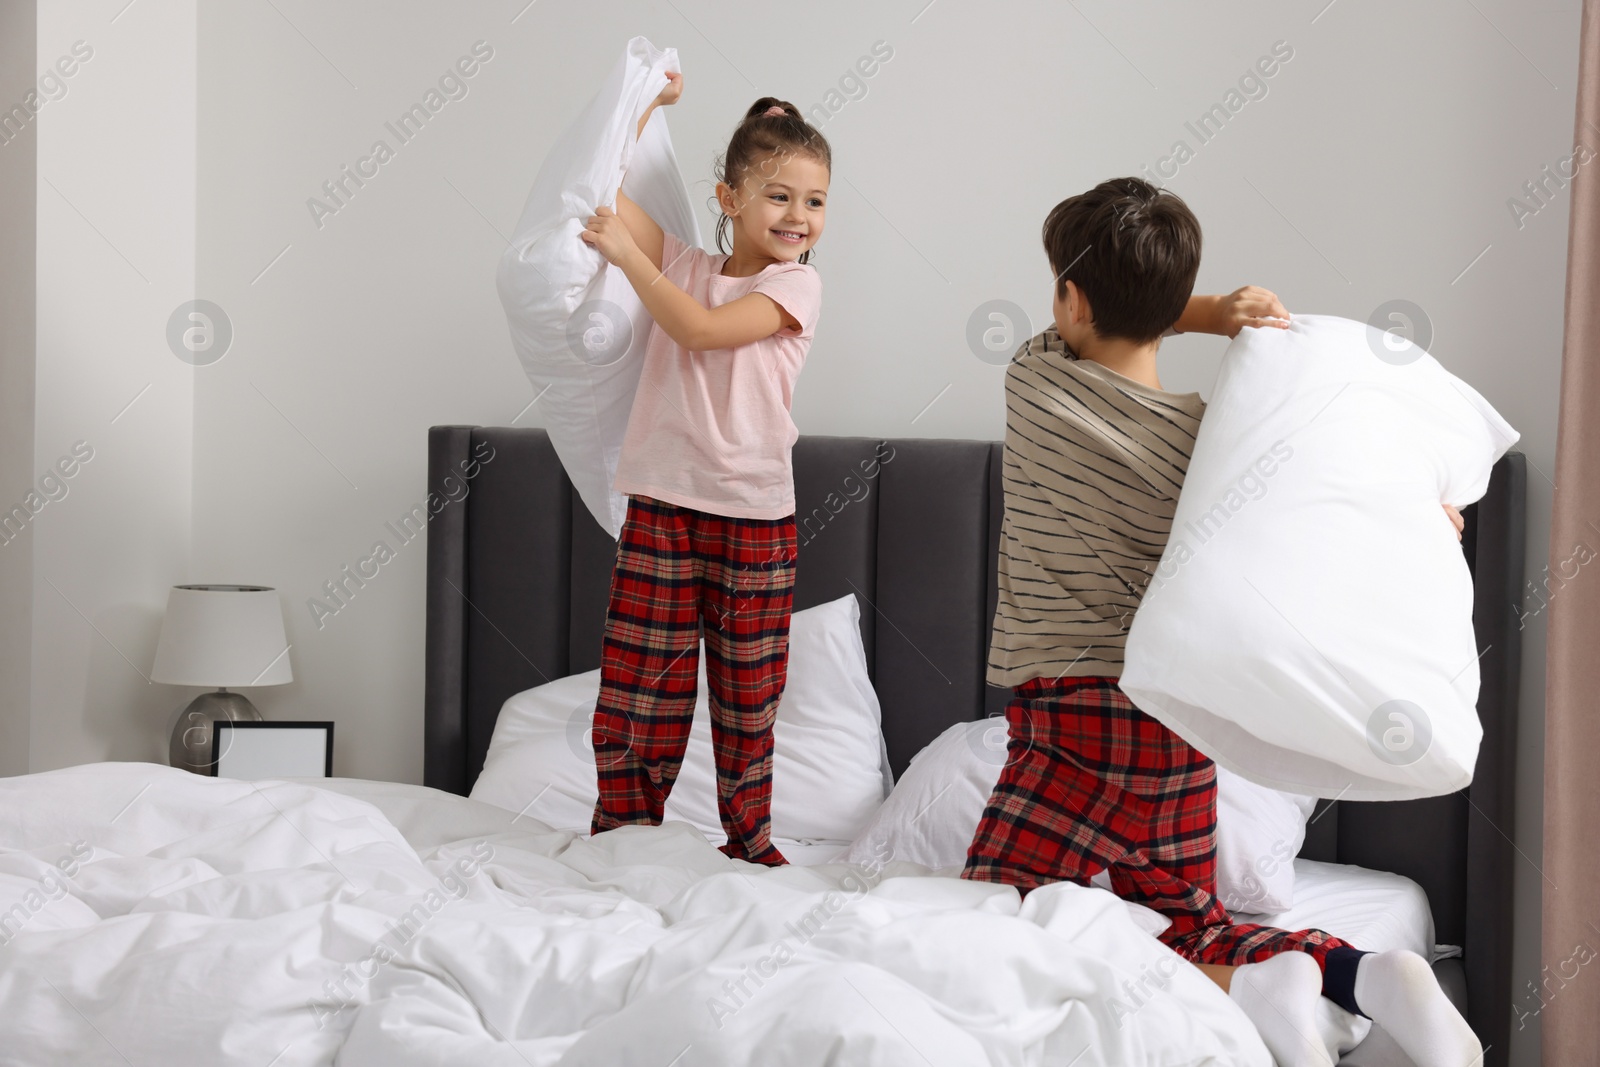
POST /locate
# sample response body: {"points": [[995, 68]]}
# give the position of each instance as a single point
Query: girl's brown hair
{"points": [[759, 135]]}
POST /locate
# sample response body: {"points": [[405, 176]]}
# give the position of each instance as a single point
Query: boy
{"points": [[1095, 455]]}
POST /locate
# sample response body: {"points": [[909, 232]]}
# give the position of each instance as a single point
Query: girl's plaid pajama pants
{"points": [[679, 571], [1092, 783]]}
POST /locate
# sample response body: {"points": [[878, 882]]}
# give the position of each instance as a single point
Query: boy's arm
{"points": [[1230, 313], [1252, 306]]}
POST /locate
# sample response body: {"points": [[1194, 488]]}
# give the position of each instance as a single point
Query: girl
{"points": [[709, 538]]}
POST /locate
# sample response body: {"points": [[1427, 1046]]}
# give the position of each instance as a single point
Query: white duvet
{"points": [[148, 916]]}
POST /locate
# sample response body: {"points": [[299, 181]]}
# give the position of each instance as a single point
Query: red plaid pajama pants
{"points": [[679, 571], [1092, 783]]}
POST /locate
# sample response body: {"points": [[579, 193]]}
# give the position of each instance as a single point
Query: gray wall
{"points": [[18, 185], [1377, 166], [116, 237]]}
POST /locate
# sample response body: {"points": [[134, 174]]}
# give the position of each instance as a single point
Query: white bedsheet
{"points": [[282, 923], [1374, 910]]}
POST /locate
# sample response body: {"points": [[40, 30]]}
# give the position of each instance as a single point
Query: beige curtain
{"points": [[1571, 1021]]}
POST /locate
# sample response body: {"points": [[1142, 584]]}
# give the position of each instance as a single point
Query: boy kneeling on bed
{"points": [[1095, 454]]}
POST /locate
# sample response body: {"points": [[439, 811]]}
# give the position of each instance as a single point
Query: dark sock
{"points": [[1339, 978]]}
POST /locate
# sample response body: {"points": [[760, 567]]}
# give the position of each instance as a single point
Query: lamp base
{"points": [[191, 736]]}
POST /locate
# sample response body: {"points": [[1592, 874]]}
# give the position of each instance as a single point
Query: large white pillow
{"points": [[1310, 623], [578, 328], [936, 805], [828, 773]]}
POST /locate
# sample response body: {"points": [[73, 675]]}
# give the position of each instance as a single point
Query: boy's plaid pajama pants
{"points": [[679, 570], [1091, 783]]}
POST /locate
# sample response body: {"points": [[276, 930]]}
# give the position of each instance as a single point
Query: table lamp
{"points": [[218, 635]]}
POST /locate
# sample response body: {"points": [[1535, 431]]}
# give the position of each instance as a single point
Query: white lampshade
{"points": [[222, 635]]}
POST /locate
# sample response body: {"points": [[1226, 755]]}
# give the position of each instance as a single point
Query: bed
{"points": [[517, 583], [152, 915]]}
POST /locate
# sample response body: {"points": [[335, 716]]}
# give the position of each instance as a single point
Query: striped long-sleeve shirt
{"points": [[1093, 464]]}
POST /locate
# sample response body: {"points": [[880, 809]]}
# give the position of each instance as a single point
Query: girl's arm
{"points": [[644, 230], [694, 327], [630, 239], [646, 234], [668, 95], [1227, 315]]}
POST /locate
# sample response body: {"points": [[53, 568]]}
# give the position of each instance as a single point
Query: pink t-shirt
{"points": [[711, 430]]}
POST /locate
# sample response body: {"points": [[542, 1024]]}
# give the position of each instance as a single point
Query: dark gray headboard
{"points": [[518, 574]]}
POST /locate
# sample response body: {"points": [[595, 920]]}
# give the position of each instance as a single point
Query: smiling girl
{"points": [[709, 539]]}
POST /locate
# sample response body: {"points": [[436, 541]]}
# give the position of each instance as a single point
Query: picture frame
{"points": [[248, 751]]}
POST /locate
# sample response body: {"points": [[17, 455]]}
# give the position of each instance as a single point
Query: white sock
{"points": [[1398, 991], [1280, 996]]}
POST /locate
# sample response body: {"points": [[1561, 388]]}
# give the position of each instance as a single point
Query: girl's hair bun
{"points": [[766, 103]]}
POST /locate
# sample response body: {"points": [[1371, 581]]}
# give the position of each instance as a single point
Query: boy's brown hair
{"points": [[1133, 250]]}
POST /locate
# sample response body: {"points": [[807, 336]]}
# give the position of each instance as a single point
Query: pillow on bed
{"points": [[827, 777], [1259, 833], [934, 810], [1310, 623]]}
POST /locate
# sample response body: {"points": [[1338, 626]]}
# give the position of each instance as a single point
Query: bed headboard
{"points": [[518, 576]]}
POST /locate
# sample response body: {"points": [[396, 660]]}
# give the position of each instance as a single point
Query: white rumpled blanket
{"points": [[148, 915]]}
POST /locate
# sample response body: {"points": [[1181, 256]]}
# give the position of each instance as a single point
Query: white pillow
{"points": [[935, 808], [577, 325], [827, 777], [1259, 833], [1310, 623]]}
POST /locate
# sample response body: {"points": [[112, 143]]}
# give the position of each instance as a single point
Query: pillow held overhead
{"points": [[578, 328], [1309, 626]]}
